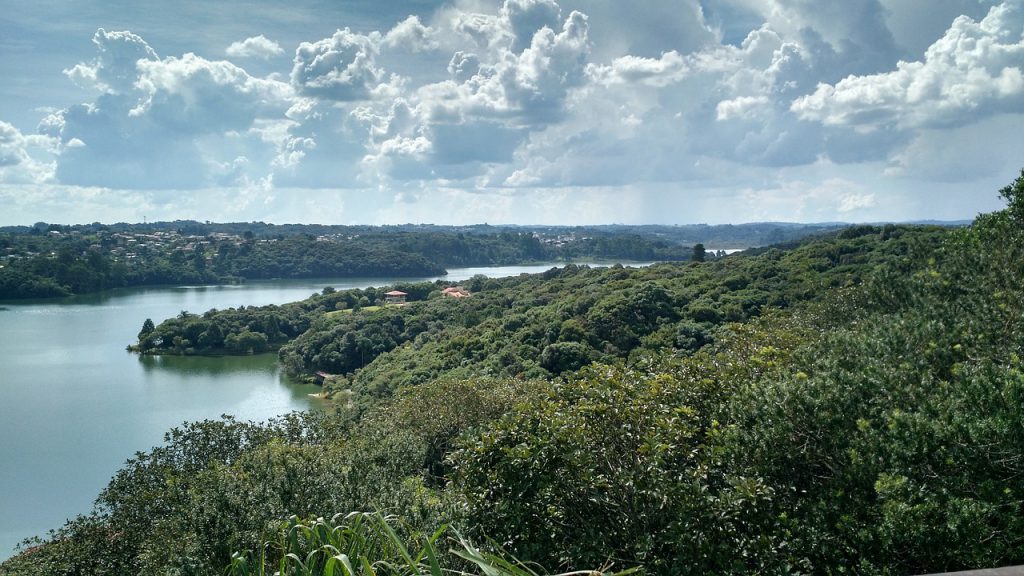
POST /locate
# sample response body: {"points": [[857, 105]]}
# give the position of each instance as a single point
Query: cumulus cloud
{"points": [[12, 150], [744, 107], [662, 71], [463, 66], [975, 69], [198, 95], [525, 64], [411, 35], [502, 99], [526, 17], [114, 68], [915, 29], [323, 146], [342, 67], [645, 29], [530, 86], [161, 123], [18, 156], [855, 29], [254, 47]]}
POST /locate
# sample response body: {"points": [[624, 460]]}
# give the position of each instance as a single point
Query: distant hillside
{"points": [[46, 260]]}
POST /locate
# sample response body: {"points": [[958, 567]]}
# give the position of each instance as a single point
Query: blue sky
{"points": [[522, 111]]}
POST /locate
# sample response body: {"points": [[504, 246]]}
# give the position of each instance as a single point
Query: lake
{"points": [[74, 405]]}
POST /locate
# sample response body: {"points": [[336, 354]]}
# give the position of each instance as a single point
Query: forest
{"points": [[52, 260], [848, 403]]}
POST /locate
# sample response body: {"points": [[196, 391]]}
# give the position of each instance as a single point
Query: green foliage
{"points": [[1014, 196], [356, 543], [80, 259], [545, 325], [362, 544], [217, 487], [621, 462], [699, 253], [851, 404], [147, 329]]}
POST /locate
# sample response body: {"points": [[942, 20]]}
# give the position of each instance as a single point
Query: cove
{"points": [[74, 405]]}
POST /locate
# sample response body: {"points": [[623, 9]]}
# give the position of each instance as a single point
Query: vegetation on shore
{"points": [[49, 260], [850, 404]]}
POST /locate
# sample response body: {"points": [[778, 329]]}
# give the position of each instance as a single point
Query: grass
{"points": [[350, 310], [367, 544]]}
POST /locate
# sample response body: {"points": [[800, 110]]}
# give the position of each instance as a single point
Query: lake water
{"points": [[74, 405]]}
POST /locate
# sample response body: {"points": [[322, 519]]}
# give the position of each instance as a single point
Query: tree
{"points": [[212, 337], [699, 254], [246, 342], [1014, 196], [147, 329], [566, 356]]}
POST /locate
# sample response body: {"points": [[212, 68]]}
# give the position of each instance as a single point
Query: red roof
{"points": [[395, 293]]}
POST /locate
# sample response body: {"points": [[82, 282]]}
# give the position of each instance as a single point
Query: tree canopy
{"points": [[849, 404]]}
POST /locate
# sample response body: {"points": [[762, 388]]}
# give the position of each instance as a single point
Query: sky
{"points": [[514, 111]]}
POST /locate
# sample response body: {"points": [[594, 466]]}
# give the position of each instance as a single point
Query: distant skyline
{"points": [[514, 112]]}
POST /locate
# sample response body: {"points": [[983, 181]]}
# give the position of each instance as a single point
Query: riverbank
{"points": [[74, 405]]}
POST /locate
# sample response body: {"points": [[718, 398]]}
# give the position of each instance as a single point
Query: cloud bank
{"points": [[834, 108]]}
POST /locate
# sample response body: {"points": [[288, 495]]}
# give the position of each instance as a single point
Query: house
{"points": [[395, 297], [323, 377]]}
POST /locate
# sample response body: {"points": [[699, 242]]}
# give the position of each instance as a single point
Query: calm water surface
{"points": [[74, 405]]}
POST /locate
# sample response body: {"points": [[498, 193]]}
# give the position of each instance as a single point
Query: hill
{"points": [[862, 414]]}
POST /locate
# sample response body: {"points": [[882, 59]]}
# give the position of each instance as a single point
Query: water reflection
{"points": [[211, 365], [74, 405]]}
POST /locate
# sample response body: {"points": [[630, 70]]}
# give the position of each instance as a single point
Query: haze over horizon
{"points": [[523, 111]]}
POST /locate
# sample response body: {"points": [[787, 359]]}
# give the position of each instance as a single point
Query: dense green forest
{"points": [[850, 404], [532, 326], [48, 260], [61, 266]]}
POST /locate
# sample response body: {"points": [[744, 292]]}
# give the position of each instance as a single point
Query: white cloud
{"points": [[323, 147], [342, 67], [976, 69], [525, 87], [163, 123], [646, 29], [526, 18], [915, 29], [114, 69], [411, 35], [198, 95], [19, 163], [455, 129], [852, 202], [463, 66], [538, 99], [12, 151], [254, 47], [667, 69], [744, 107], [854, 32]]}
